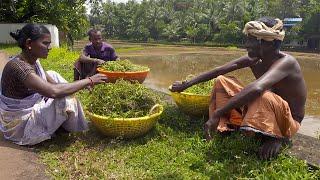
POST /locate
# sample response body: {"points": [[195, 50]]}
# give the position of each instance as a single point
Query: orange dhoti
{"points": [[269, 114]]}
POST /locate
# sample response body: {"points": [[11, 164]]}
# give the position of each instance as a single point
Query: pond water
{"points": [[167, 69]]}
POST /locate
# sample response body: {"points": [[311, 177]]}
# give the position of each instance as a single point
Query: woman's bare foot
{"points": [[270, 148]]}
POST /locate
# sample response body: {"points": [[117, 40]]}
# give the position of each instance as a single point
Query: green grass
{"points": [[128, 49], [174, 149], [61, 60], [10, 49], [232, 47]]}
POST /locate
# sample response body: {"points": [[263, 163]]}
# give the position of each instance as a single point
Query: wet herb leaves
{"points": [[122, 66], [203, 88], [122, 100]]}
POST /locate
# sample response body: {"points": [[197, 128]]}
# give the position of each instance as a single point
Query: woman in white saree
{"points": [[35, 103]]}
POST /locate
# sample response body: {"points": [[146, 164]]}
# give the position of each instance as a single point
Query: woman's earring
{"points": [[29, 47]]}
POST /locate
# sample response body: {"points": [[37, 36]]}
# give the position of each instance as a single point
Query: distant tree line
{"points": [[194, 21], [218, 21]]}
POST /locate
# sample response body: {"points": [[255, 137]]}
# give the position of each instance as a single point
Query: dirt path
{"points": [[18, 162], [306, 148]]}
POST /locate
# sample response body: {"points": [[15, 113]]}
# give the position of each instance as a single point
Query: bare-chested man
{"points": [[273, 105]]}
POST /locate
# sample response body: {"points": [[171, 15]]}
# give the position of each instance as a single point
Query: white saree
{"points": [[35, 118]]}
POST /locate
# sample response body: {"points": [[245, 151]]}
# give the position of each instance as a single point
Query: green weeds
{"points": [[10, 49], [122, 99], [203, 88], [122, 66], [232, 47], [61, 60]]}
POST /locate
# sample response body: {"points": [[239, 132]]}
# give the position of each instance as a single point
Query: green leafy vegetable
{"points": [[122, 100], [122, 66], [203, 88]]}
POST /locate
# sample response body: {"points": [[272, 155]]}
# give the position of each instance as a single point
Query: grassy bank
{"points": [[10, 49], [174, 149]]}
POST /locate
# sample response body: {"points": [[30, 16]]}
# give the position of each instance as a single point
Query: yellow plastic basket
{"points": [[192, 104], [126, 127]]}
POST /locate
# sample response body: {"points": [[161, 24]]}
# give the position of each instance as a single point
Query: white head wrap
{"points": [[261, 31]]}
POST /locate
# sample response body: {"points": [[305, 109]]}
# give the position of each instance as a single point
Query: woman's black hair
{"points": [[29, 31], [270, 22]]}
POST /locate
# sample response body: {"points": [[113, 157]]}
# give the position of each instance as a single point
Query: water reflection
{"points": [[167, 69]]}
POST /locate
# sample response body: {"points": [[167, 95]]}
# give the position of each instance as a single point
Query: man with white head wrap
{"points": [[272, 105], [261, 31]]}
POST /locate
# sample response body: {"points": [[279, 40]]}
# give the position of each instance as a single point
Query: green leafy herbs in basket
{"points": [[122, 66], [203, 88], [122, 100]]}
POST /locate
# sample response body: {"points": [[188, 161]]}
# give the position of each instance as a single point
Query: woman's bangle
{"points": [[91, 81]]}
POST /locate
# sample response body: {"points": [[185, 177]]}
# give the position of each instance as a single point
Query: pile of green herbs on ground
{"points": [[122, 66], [203, 88], [122, 99], [174, 149]]}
